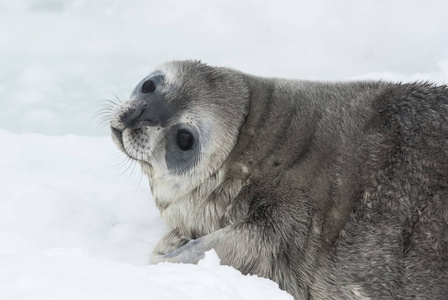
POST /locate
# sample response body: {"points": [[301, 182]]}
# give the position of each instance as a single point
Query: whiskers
{"points": [[127, 168], [127, 164], [107, 108], [132, 162], [134, 152]]}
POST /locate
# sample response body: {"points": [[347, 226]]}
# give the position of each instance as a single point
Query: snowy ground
{"points": [[72, 227]]}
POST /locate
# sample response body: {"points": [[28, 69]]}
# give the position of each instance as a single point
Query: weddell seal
{"points": [[333, 190]]}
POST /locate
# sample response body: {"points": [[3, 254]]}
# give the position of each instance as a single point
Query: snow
{"points": [[72, 227], [73, 274]]}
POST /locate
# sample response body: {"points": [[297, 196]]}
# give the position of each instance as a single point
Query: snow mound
{"points": [[71, 274], [72, 228]]}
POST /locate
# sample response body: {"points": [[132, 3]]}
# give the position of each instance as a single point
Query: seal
{"points": [[333, 190]]}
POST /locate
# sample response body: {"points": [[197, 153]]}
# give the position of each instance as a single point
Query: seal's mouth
{"points": [[117, 137], [117, 134]]}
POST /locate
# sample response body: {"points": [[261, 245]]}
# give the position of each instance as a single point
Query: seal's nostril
{"points": [[132, 117]]}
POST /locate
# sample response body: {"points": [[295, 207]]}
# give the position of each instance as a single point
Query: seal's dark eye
{"points": [[148, 87], [185, 140]]}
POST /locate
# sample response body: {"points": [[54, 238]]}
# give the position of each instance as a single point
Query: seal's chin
{"points": [[117, 136]]}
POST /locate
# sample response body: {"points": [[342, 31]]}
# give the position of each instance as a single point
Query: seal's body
{"points": [[333, 190]]}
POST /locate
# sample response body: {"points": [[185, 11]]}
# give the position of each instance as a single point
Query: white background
{"points": [[59, 58]]}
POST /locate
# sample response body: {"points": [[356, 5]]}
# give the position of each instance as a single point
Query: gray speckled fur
{"points": [[333, 190]]}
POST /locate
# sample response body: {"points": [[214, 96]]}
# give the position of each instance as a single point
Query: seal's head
{"points": [[181, 122]]}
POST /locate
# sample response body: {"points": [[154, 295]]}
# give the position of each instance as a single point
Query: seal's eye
{"points": [[185, 140], [148, 87]]}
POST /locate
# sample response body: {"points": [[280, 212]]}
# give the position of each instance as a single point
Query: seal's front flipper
{"points": [[243, 246], [186, 251], [170, 242]]}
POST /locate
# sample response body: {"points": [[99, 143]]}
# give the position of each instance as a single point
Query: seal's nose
{"points": [[139, 116], [144, 114]]}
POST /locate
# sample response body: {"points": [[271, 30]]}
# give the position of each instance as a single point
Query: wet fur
{"points": [[333, 190]]}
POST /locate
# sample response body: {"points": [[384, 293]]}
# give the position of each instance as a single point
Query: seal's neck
{"points": [[198, 209]]}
